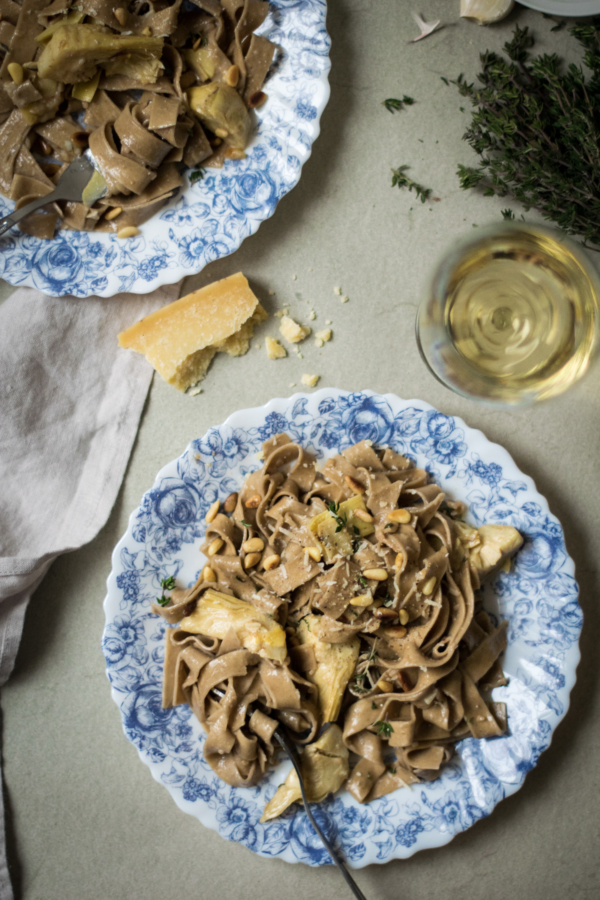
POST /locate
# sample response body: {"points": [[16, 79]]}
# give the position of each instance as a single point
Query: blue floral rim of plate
{"points": [[213, 216], [538, 597]]}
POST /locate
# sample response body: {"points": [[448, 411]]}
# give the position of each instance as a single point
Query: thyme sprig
{"points": [[366, 661], [399, 179], [384, 728], [536, 129]]}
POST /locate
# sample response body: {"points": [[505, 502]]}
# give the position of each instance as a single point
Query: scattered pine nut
{"points": [[129, 231], [15, 70], [208, 574], [253, 545], [251, 560], [375, 574], [401, 516], [363, 600], [354, 485], [212, 511], [253, 502], [230, 503], [215, 546], [271, 562]]}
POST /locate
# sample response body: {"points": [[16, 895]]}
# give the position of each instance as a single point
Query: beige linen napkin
{"points": [[70, 404]]}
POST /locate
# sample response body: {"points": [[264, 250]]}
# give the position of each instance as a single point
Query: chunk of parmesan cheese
{"points": [[181, 339], [324, 335], [275, 350], [310, 380], [292, 331]]}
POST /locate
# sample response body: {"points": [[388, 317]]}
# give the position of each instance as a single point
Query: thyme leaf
{"points": [[385, 729], [197, 175], [167, 584]]}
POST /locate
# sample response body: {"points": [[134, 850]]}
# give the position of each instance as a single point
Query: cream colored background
{"points": [[86, 820]]}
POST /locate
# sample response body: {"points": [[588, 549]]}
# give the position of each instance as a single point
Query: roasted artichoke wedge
{"points": [[216, 613], [497, 544], [325, 768], [74, 52], [336, 541], [221, 109], [335, 667]]}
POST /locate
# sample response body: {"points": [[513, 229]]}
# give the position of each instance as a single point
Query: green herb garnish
{"points": [[373, 705], [247, 524], [393, 105], [334, 509], [536, 129], [167, 584], [399, 179], [197, 175], [363, 581], [385, 729]]}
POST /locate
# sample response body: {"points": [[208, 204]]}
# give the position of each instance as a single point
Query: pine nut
{"points": [[400, 516], [234, 153], [429, 586], [120, 15], [253, 501], [232, 76], [375, 574], [403, 616], [214, 547], [208, 574], [251, 560], [221, 132], [354, 485], [212, 511], [314, 553], [253, 545], [399, 561], [362, 514], [257, 99], [395, 631], [147, 31], [363, 600], [271, 562], [384, 614], [230, 503], [386, 687], [129, 231], [404, 681], [113, 213], [15, 70], [45, 147]]}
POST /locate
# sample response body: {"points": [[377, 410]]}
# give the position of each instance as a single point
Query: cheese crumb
{"points": [[294, 277], [275, 350], [292, 331], [338, 291], [328, 322], [324, 335], [319, 343], [292, 384], [344, 299], [310, 380], [271, 293], [194, 393], [312, 315]]}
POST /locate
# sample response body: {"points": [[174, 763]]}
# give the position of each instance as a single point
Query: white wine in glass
{"points": [[512, 315]]}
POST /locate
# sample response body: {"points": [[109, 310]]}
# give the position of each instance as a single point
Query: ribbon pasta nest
{"points": [[343, 595], [153, 87]]}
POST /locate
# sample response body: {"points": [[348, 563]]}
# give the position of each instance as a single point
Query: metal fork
{"points": [[289, 748], [70, 186]]}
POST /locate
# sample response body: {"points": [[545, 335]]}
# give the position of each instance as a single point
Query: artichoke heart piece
{"points": [[258, 632], [336, 541], [497, 543], [335, 666], [221, 109], [325, 768], [73, 53]]}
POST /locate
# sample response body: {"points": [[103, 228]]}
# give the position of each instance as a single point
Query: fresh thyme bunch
{"points": [[537, 131]]}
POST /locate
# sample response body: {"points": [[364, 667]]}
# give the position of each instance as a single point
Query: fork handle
{"points": [[290, 751], [7, 222]]}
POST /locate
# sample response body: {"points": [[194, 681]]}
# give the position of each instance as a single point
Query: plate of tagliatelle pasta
{"points": [[199, 115], [375, 576]]}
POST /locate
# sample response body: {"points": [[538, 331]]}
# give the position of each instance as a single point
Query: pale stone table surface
{"points": [[86, 820]]}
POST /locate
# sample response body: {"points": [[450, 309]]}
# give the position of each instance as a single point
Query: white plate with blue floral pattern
{"points": [[538, 597], [212, 217]]}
